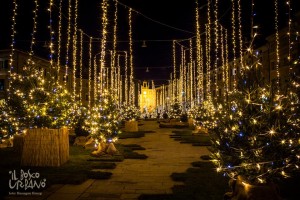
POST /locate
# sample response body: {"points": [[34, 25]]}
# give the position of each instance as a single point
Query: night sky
{"points": [[157, 56]]}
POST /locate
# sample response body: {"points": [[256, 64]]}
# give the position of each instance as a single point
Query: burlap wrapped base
{"points": [[131, 126], [243, 191]]}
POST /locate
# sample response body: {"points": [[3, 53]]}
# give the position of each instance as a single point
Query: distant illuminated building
{"points": [[147, 98]]}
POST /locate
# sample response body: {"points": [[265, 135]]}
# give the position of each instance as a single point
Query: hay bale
{"points": [[131, 126], [45, 147]]}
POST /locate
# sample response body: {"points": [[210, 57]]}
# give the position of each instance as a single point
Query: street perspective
{"points": [[150, 100]]}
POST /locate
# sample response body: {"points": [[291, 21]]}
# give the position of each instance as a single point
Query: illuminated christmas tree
{"points": [[259, 136], [8, 125], [104, 122], [204, 115], [129, 113], [39, 102], [175, 110]]}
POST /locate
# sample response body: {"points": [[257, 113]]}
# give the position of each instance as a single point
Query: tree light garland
{"points": [[75, 38], [131, 83], [68, 43]]}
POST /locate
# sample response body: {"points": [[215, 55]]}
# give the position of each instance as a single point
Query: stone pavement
{"points": [[132, 177]]}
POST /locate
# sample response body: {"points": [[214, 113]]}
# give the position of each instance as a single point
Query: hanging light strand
{"points": [[35, 11], [59, 40], [126, 78], [75, 38], [277, 47], [191, 89], [199, 61], [68, 43], [114, 74], [11, 56], [80, 66], [208, 48], [223, 61], [234, 45], [103, 42], [51, 47], [216, 29], [95, 78], [240, 35], [131, 83], [288, 3], [174, 73], [226, 64], [90, 73]]}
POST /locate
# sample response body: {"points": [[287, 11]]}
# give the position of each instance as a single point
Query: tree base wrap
{"points": [[104, 148], [45, 147], [242, 191], [191, 122], [18, 143], [131, 126], [200, 130]]}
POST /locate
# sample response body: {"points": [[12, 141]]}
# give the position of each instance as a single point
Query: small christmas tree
{"points": [[258, 136], [8, 125], [129, 113], [204, 115], [104, 123], [176, 110]]}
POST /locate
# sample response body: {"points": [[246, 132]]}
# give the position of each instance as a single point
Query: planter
{"points": [[131, 126], [45, 147], [244, 191]]}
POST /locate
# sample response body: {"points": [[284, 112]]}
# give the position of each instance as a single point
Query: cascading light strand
{"points": [[277, 47], [240, 35], [114, 74], [226, 64], [234, 70], [95, 79], [131, 83], [126, 78], [35, 16], [199, 66], [191, 74], [75, 38], [223, 68], [216, 64], [80, 67], [59, 40], [11, 56], [51, 46], [68, 43], [90, 74], [103, 42], [174, 73], [289, 58], [208, 49]]}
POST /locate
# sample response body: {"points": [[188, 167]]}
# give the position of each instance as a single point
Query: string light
{"points": [[277, 46], [126, 78], [11, 56], [75, 38], [51, 34], [95, 78], [199, 57], [240, 35], [80, 66], [131, 83], [103, 41], [31, 53], [208, 48], [115, 43], [68, 42], [59, 40], [90, 74], [226, 65], [223, 61], [216, 50], [174, 73], [234, 45], [191, 89], [288, 3]]}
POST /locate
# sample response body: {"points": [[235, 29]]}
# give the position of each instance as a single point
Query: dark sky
{"points": [[157, 56]]}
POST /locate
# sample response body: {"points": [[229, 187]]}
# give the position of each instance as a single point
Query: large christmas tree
{"points": [[104, 122], [259, 134], [36, 100]]}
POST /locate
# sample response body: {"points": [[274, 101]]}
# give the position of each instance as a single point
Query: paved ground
{"points": [[131, 178]]}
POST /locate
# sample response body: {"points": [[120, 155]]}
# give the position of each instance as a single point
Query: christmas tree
{"points": [[8, 125], [103, 123], [204, 115], [38, 101], [258, 136], [175, 110], [129, 113]]}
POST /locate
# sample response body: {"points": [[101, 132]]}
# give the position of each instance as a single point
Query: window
{"points": [[4, 64], [2, 84]]}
